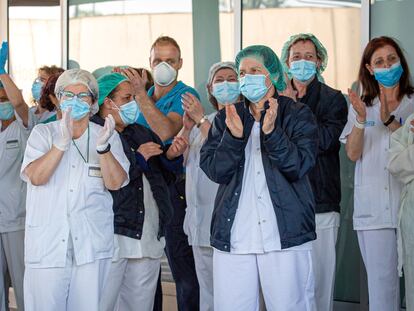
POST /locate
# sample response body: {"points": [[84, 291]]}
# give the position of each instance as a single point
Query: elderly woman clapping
{"points": [[69, 166]]}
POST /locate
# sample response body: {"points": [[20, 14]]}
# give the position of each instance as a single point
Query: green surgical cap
{"points": [[321, 52], [107, 84], [268, 59]]}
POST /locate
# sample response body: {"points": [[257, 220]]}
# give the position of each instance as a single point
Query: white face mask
{"points": [[164, 74]]}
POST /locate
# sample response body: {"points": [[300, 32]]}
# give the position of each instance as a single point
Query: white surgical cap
{"points": [[79, 76]]}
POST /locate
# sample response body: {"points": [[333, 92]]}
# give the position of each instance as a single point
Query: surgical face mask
{"points": [[79, 107], [37, 87], [253, 87], [302, 70], [129, 112], [6, 111], [389, 77], [164, 74], [226, 92]]}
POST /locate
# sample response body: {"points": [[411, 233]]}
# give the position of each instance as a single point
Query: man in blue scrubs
{"points": [[162, 112]]}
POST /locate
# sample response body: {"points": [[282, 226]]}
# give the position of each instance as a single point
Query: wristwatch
{"points": [[203, 119], [389, 121]]}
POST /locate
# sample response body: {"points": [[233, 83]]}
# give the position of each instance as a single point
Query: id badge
{"points": [[369, 123], [12, 144], [94, 171]]}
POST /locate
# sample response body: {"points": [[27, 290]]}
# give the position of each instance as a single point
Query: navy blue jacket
{"points": [[128, 205], [288, 153], [331, 112]]}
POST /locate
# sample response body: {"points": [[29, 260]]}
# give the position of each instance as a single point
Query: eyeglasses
{"points": [[71, 95]]}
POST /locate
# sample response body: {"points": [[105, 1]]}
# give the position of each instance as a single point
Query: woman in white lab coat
{"points": [[386, 103], [69, 166], [401, 165]]}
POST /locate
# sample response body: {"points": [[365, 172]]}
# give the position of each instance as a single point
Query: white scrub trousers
{"points": [[379, 252], [286, 279], [324, 260], [203, 258], [12, 260], [131, 285], [72, 288]]}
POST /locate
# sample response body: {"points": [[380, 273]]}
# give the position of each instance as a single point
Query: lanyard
{"points": [[87, 149]]}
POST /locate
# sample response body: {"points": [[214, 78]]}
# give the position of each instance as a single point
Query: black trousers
{"points": [[180, 256]]}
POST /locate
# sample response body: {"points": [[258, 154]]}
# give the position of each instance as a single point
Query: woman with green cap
{"points": [[200, 191], [260, 152], [141, 208], [304, 58]]}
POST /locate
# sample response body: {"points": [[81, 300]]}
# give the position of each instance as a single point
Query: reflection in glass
{"points": [[34, 38], [117, 33]]}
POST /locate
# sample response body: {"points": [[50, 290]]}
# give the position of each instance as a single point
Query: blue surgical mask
{"points": [[6, 111], [129, 112], [37, 87], [389, 77], [253, 87], [79, 107], [302, 70], [226, 92]]}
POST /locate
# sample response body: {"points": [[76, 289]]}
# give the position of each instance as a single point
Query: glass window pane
{"points": [[386, 17], [227, 33], [335, 23], [117, 33], [35, 41]]}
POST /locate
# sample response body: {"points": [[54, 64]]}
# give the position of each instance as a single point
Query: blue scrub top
{"points": [[170, 102]]}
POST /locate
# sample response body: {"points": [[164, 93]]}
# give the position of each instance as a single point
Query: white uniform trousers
{"points": [[203, 258], [72, 288], [323, 261], [379, 252], [12, 261], [132, 285], [286, 279]]}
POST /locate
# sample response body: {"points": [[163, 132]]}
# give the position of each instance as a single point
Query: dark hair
{"points": [[51, 70], [165, 40], [370, 86], [49, 89], [212, 100]]}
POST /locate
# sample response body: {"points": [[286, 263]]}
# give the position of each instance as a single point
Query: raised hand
{"points": [[384, 109], [138, 82], [192, 107], [105, 133], [270, 116], [62, 141], [358, 105], [233, 121], [178, 147], [4, 52]]}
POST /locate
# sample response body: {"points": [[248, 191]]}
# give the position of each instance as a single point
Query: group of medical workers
{"points": [[108, 170]]}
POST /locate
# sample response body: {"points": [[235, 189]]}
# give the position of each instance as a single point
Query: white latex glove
{"points": [[105, 133], [62, 141]]}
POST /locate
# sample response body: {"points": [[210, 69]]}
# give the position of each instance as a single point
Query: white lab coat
{"points": [[401, 165], [69, 224], [12, 206], [377, 192], [74, 200]]}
